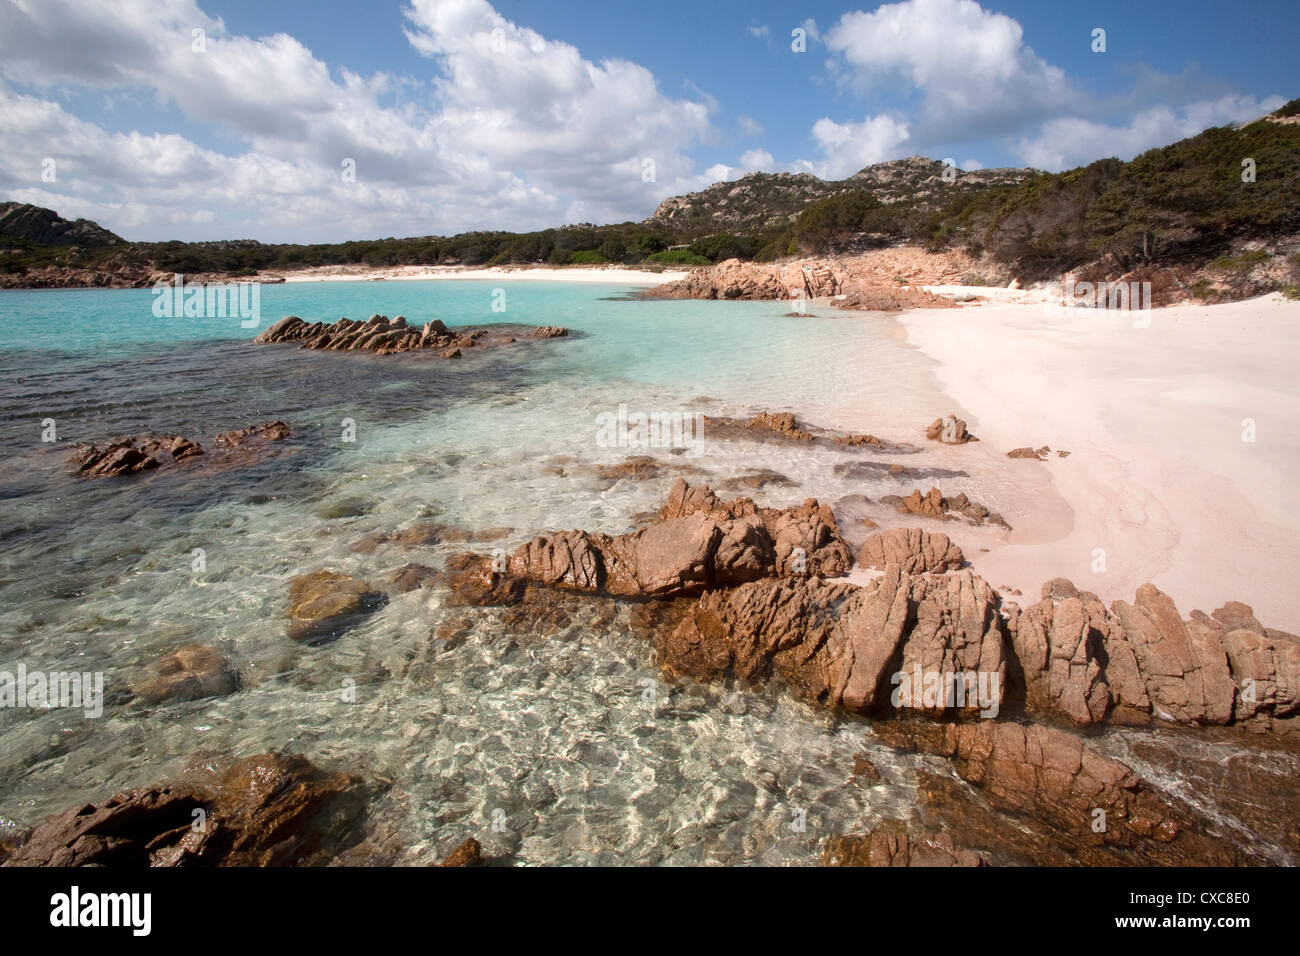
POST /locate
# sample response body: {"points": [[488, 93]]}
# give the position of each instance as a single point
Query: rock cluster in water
{"points": [[130, 456], [384, 336], [765, 608]]}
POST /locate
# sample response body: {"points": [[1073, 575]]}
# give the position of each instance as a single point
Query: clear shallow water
{"points": [[553, 731]]}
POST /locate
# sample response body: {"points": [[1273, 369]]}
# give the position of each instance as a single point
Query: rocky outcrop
{"points": [[885, 847], [912, 549], [1090, 800], [268, 810], [1038, 454], [191, 673], [844, 646], [780, 423], [385, 336], [891, 298], [324, 603], [699, 542], [1142, 660], [933, 504], [264, 431], [1185, 666], [950, 431], [129, 456]]}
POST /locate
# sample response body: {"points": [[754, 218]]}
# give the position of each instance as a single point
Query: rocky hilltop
{"points": [[761, 201], [34, 224]]}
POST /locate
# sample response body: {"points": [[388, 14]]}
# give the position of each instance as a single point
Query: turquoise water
{"points": [[552, 730]]}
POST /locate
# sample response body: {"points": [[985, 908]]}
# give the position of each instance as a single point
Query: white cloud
{"points": [[749, 126], [518, 130], [973, 79], [1070, 141], [964, 60], [847, 147], [757, 161]]}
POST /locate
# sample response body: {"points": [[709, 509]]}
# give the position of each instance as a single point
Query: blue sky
{"points": [[460, 114]]}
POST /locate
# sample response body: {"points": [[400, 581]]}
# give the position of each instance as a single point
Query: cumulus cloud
{"points": [[1071, 141], [969, 76], [519, 131], [847, 147]]}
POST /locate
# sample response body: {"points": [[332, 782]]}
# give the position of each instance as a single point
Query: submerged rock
{"points": [[191, 673], [129, 456], [469, 853], [883, 847], [268, 810], [324, 603]]}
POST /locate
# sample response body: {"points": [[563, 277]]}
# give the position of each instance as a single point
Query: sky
{"points": [[300, 121]]}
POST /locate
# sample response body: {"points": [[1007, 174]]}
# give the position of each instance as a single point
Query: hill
{"points": [[25, 224]]}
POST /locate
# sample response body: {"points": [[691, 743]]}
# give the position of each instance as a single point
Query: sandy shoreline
{"points": [[350, 273], [1159, 476]]}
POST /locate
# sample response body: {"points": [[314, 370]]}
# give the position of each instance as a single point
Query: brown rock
{"points": [[950, 431], [1039, 454], [883, 847], [324, 603], [412, 577], [468, 853], [265, 431], [269, 810], [912, 549], [1185, 667], [191, 673]]}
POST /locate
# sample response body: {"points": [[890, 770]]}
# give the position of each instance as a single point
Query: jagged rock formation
{"points": [[384, 336], [129, 456], [764, 608]]}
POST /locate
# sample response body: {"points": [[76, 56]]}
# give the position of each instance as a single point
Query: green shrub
{"points": [[678, 257]]}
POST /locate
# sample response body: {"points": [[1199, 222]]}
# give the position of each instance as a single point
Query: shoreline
{"points": [[1159, 476], [348, 273]]}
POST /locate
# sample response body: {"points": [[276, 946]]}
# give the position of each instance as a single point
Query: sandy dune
{"points": [[1159, 475]]}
